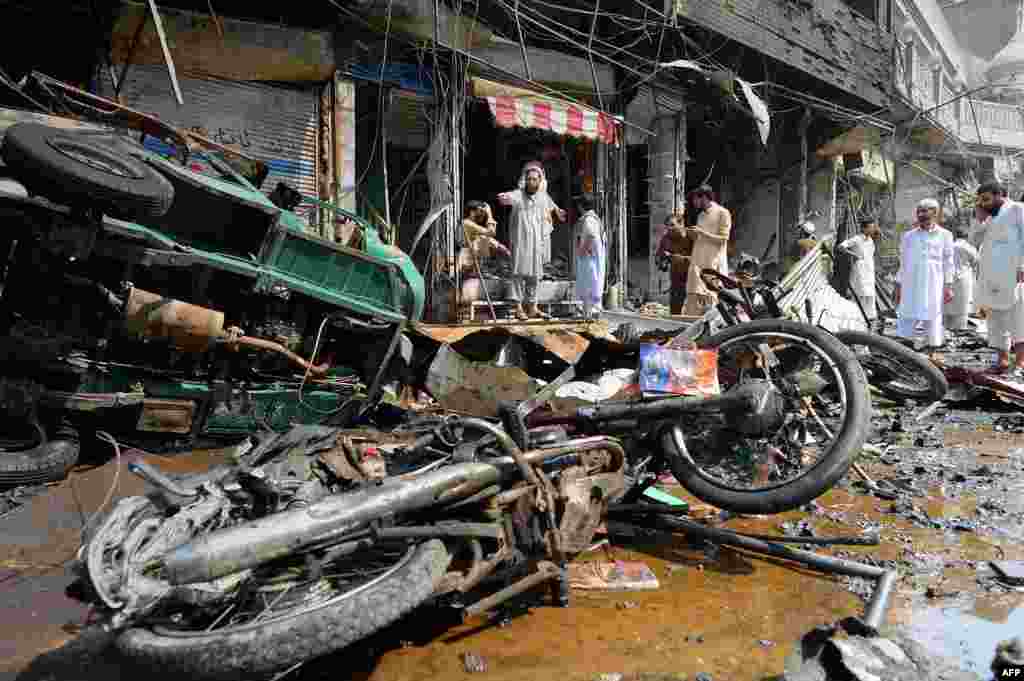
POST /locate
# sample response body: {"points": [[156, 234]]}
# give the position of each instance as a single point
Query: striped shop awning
{"points": [[518, 108]]}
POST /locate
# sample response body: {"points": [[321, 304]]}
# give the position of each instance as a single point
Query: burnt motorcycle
{"points": [[320, 536], [895, 370]]}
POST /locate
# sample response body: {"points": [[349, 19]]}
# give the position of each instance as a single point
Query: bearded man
{"points": [[925, 279], [533, 214]]}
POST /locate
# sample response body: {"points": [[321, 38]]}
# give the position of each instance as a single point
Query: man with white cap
{"points": [[1000, 293], [925, 279], [808, 241], [533, 213]]}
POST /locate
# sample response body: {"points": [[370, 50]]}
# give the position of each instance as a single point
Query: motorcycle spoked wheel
{"points": [[297, 621], [717, 478], [897, 371]]}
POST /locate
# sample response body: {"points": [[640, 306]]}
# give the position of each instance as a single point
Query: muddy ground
{"points": [[724, 614]]}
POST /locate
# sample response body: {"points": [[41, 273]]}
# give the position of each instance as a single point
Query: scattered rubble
{"points": [[839, 652], [1009, 657], [473, 663]]}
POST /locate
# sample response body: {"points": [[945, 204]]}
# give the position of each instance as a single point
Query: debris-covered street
{"points": [[954, 530]]}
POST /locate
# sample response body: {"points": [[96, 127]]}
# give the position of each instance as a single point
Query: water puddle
{"points": [[968, 632]]}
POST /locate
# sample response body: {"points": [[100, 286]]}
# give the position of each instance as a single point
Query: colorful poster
{"points": [[678, 372]]}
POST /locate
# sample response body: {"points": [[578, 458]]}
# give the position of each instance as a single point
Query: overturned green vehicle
{"points": [[163, 302]]}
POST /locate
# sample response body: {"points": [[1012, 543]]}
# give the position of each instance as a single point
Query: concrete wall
{"points": [[825, 39], [821, 198], [914, 184], [246, 51], [756, 222]]}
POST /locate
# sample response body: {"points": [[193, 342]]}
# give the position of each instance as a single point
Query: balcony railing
{"points": [[974, 121], [990, 123]]}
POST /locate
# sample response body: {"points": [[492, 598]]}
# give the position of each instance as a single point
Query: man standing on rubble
{"points": [[533, 213], [861, 248], [1000, 293], [925, 279], [710, 243]]}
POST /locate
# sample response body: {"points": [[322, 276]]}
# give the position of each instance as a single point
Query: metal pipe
{"points": [[482, 495], [442, 529], [263, 344], [874, 615], [671, 406], [506, 442], [884, 579], [538, 456], [158, 479], [253, 543], [545, 572], [171, 72], [481, 568], [511, 495]]}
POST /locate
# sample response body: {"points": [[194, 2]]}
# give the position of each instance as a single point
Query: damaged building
{"points": [[394, 110]]}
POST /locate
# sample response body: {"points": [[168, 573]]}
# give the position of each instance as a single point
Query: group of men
{"points": [[691, 249], [936, 283], [532, 219]]}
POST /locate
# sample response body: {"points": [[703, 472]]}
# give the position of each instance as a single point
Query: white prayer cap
{"points": [[928, 203]]}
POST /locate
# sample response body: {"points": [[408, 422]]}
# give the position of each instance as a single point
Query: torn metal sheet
{"points": [[760, 109], [757, 105], [565, 340], [806, 281], [476, 388]]}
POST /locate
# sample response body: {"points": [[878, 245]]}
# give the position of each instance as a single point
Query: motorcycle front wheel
{"points": [[285, 620], [813, 419]]}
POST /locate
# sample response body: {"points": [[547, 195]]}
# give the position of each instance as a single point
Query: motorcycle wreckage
{"points": [[314, 538]]}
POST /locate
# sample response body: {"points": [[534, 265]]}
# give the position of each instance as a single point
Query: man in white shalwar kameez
{"points": [[925, 279], [1000, 290], [533, 213], [861, 247], [590, 257], [965, 260]]}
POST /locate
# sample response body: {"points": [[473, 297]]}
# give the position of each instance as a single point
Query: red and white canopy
{"points": [[513, 108]]}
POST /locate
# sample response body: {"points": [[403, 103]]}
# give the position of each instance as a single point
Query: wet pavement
{"points": [[723, 613]]}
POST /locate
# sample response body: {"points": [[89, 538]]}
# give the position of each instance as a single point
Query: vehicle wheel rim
{"points": [[279, 593], [752, 463]]}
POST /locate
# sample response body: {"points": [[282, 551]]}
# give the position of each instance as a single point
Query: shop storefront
{"points": [[507, 127]]}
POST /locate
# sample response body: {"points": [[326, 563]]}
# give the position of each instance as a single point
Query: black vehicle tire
{"points": [[46, 462], [828, 470], [276, 644], [79, 169], [923, 382]]}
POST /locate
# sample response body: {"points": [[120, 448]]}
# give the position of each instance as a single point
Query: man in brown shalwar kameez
{"points": [[677, 246]]}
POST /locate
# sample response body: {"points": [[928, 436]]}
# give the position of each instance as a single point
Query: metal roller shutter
{"points": [[274, 123]]}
